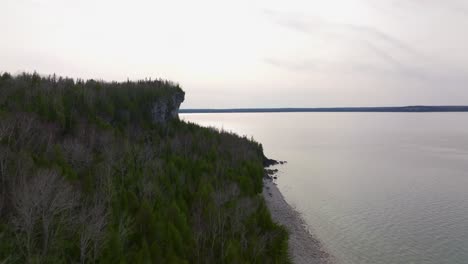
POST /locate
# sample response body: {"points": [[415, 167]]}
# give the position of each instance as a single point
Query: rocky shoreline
{"points": [[303, 247]]}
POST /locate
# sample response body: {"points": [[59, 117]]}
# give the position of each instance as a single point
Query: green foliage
{"points": [[146, 192]]}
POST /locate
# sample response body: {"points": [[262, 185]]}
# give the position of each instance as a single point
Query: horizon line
{"points": [[409, 108]]}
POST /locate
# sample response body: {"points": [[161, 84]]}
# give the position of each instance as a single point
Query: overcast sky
{"points": [[251, 53]]}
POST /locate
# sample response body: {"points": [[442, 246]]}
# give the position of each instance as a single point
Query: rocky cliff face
{"points": [[167, 108]]}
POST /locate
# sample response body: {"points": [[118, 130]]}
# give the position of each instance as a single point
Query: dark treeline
{"points": [[86, 176]]}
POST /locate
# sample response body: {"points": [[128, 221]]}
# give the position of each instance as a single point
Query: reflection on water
{"points": [[374, 187]]}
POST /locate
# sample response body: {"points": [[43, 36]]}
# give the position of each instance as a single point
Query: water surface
{"points": [[373, 187]]}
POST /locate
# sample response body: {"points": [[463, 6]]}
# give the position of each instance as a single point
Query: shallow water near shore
{"points": [[373, 187]]}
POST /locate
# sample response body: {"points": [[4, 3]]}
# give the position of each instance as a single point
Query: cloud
{"points": [[304, 65], [454, 6], [390, 50], [340, 30], [395, 56], [374, 34]]}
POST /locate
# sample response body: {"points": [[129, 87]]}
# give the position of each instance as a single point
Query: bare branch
{"points": [[42, 205], [93, 221]]}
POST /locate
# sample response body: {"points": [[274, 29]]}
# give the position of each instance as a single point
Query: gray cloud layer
{"points": [[398, 58]]}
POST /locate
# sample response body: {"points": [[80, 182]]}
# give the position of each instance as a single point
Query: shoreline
{"points": [[303, 247]]}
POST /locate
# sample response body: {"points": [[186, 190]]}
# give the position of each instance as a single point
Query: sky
{"points": [[251, 53]]}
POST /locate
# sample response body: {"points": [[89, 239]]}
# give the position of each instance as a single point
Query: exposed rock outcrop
{"points": [[167, 108]]}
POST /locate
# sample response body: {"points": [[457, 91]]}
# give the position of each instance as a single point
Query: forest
{"points": [[88, 176]]}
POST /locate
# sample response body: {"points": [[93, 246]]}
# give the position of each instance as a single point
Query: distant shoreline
{"points": [[405, 109]]}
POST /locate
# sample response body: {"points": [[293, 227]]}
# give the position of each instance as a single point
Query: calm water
{"points": [[374, 187]]}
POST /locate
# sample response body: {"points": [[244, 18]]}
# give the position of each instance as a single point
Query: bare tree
{"points": [[6, 129], [25, 130], [42, 205], [261, 243], [26, 216], [22, 130], [126, 224], [3, 181], [93, 221], [77, 154]]}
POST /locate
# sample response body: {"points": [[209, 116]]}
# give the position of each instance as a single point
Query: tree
{"points": [[43, 205], [93, 221]]}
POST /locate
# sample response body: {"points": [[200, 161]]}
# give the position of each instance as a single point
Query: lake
{"points": [[373, 187]]}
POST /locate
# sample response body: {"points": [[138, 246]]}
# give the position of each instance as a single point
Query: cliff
{"points": [[69, 101], [104, 172], [167, 108]]}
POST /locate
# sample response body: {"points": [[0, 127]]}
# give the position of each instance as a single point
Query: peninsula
{"points": [[105, 172]]}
